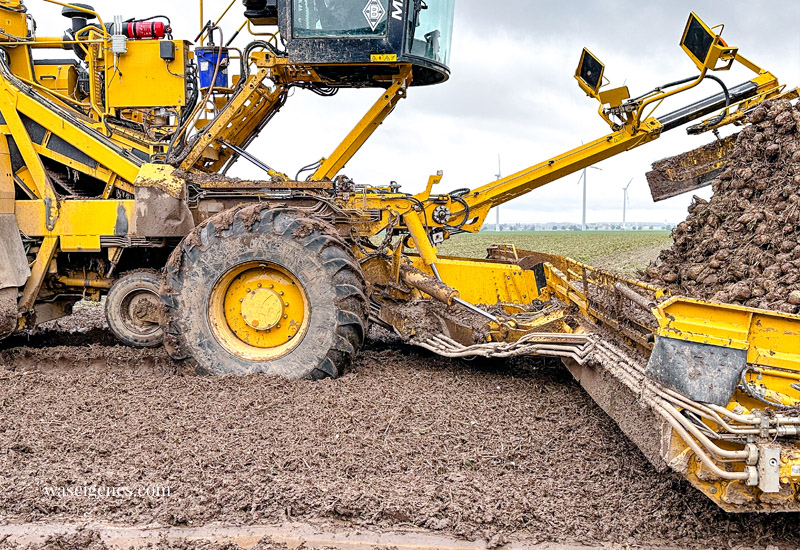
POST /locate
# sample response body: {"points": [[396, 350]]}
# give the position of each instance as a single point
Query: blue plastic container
{"points": [[207, 58]]}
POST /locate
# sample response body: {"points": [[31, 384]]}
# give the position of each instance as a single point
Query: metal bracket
{"points": [[769, 465], [50, 214]]}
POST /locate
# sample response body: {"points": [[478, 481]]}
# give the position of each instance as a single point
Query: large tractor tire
{"points": [[133, 307], [260, 290]]}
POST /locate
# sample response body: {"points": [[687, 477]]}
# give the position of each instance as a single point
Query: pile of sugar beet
{"points": [[743, 246]]}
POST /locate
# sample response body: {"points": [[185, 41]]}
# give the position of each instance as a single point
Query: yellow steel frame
{"points": [[39, 269], [484, 282], [95, 148], [366, 126], [236, 121]]}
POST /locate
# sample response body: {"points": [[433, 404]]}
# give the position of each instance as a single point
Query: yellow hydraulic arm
{"points": [[633, 125], [630, 120], [431, 218], [331, 166]]}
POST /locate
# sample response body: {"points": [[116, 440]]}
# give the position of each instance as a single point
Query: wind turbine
{"points": [[497, 210], [625, 206], [583, 177]]}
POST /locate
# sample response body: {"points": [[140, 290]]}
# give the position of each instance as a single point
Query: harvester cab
{"points": [[359, 42]]}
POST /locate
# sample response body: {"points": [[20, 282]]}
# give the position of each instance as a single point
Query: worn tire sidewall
{"points": [[203, 268]]}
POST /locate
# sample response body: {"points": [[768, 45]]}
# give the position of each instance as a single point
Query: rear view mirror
{"points": [[697, 41], [704, 46], [590, 73]]}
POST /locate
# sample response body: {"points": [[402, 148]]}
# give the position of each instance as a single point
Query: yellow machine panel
{"points": [[144, 79], [12, 21], [58, 76]]}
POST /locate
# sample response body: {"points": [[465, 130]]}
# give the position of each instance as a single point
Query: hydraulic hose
{"points": [[698, 451], [727, 93]]}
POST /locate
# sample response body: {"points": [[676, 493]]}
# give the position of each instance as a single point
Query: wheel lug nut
{"points": [[259, 285], [282, 293], [272, 286], [278, 325], [285, 316], [287, 304]]}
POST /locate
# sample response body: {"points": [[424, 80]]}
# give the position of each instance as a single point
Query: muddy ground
{"points": [[472, 449]]}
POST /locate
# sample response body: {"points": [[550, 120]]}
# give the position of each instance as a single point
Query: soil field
{"points": [[623, 252], [493, 451]]}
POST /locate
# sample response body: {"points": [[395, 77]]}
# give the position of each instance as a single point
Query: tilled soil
{"points": [[476, 449], [743, 246], [88, 539]]}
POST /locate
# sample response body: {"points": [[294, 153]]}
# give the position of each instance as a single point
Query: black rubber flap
{"points": [[701, 372]]}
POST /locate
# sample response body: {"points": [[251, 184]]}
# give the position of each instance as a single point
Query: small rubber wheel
{"points": [[258, 290], [133, 309]]}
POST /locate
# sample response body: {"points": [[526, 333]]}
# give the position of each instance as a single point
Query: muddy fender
{"points": [[159, 214]]}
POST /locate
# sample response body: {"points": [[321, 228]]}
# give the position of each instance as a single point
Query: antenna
{"points": [[625, 205], [497, 210]]}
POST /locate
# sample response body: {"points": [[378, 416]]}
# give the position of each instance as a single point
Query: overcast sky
{"points": [[512, 93]]}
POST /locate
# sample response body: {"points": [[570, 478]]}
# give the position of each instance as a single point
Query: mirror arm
{"points": [[613, 125], [749, 64]]}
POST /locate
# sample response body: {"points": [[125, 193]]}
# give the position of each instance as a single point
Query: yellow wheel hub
{"points": [[262, 309], [258, 311]]}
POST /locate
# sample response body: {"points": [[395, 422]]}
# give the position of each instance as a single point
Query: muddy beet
{"points": [[743, 246]]}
